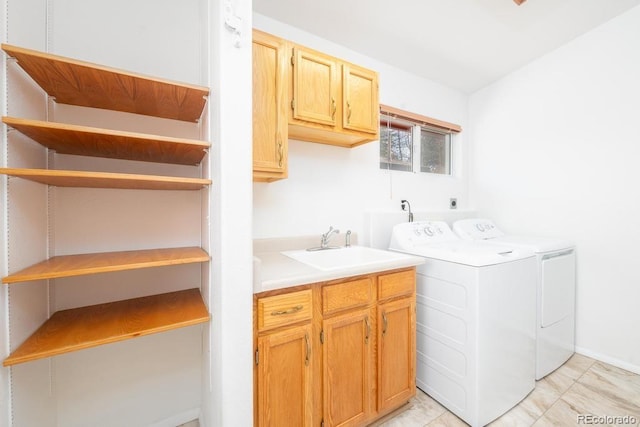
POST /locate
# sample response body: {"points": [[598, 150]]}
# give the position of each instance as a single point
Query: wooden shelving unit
{"points": [[63, 178], [96, 142], [86, 84], [78, 265], [74, 82], [91, 326]]}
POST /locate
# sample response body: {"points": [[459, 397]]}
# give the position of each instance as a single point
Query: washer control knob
{"points": [[428, 231], [480, 227]]}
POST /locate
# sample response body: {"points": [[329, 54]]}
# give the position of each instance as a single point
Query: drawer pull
{"points": [[291, 310]]}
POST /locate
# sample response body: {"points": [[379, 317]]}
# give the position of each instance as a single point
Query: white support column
{"points": [[228, 386]]}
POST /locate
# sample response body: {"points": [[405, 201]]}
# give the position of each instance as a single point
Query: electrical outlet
{"points": [[453, 203]]}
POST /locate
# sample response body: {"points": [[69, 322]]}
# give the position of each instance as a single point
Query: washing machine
{"points": [[475, 332], [556, 288]]}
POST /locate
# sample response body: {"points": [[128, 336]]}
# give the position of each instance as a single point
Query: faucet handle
{"points": [[331, 230], [347, 239]]}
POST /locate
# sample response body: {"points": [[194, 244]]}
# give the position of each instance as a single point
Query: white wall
{"points": [[335, 186], [555, 152]]}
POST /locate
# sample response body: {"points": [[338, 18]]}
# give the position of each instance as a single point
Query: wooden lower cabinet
{"points": [[396, 353], [346, 375], [347, 362], [285, 378]]}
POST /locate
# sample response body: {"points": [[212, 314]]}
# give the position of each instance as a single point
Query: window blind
{"points": [[419, 119]]}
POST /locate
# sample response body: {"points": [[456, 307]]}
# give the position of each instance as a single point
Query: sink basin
{"points": [[334, 259]]}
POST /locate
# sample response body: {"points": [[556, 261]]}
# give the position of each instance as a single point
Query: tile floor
{"points": [[580, 386]]}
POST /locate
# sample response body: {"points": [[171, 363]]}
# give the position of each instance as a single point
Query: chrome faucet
{"points": [[347, 239], [324, 240], [405, 204]]}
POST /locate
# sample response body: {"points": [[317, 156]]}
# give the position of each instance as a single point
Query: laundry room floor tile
{"points": [[612, 382], [582, 386], [420, 411]]}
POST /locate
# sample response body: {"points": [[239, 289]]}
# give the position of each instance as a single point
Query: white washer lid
{"points": [[475, 254], [485, 230], [535, 244]]}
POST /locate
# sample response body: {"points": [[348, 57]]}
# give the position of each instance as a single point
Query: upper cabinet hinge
{"points": [[293, 104], [322, 336], [293, 55], [257, 357]]}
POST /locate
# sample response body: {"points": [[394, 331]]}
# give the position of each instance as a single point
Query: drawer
{"points": [[396, 284], [346, 295], [280, 310]]}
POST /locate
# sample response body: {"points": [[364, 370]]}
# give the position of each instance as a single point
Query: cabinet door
{"points": [[315, 87], [360, 99], [348, 357], [285, 378], [269, 109], [396, 353]]}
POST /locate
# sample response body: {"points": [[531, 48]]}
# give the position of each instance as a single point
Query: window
{"points": [[435, 152], [396, 147], [398, 131]]}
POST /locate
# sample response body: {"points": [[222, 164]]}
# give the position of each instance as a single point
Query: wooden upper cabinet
{"points": [[303, 94], [315, 87], [332, 101], [270, 132], [360, 99]]}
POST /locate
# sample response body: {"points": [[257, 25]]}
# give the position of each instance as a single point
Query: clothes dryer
{"points": [[556, 287], [475, 320]]}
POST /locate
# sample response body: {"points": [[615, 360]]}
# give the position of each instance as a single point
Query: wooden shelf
{"points": [[86, 84], [63, 178], [78, 265], [96, 142], [86, 327]]}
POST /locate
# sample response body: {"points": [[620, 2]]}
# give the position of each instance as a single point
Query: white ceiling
{"points": [[463, 44]]}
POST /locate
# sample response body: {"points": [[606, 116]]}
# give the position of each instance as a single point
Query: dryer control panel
{"points": [[476, 229]]}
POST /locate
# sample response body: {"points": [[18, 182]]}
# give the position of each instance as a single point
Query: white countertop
{"points": [[273, 270]]}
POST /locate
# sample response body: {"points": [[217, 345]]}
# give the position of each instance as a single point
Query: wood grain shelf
{"points": [[86, 84], [92, 326], [104, 262], [96, 142], [65, 178]]}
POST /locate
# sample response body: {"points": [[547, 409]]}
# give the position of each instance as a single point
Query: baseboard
{"points": [[178, 419], [610, 360]]}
